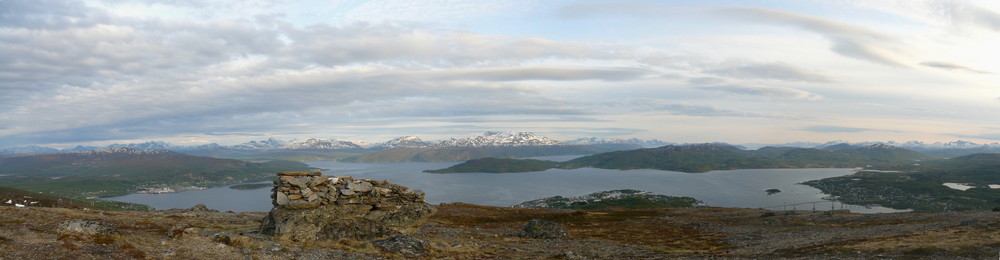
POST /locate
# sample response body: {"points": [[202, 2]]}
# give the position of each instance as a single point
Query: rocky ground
{"points": [[463, 231]]}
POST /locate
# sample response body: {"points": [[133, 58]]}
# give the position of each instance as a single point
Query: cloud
{"points": [[134, 77], [361, 42], [834, 129], [771, 71], [969, 13], [275, 101], [615, 9], [985, 136], [952, 66], [529, 73], [682, 109], [47, 14], [849, 40], [770, 92], [706, 81]]}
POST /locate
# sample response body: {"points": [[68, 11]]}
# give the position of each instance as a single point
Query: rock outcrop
{"points": [[309, 206], [85, 227], [540, 228], [406, 245]]}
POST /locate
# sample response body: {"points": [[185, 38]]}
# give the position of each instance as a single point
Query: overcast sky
{"points": [[195, 72]]}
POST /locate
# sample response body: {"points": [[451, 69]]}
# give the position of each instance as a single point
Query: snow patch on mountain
{"points": [[320, 144], [501, 139], [270, 143], [121, 151], [401, 142]]}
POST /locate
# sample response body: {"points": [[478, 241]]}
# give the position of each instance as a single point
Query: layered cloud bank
{"points": [[191, 72]]}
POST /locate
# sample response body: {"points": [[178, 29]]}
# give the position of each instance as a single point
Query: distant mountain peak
{"points": [[880, 146], [501, 139], [122, 151], [320, 144], [648, 143], [408, 141]]}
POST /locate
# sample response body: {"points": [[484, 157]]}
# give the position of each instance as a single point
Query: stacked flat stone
{"points": [[309, 206], [309, 190]]}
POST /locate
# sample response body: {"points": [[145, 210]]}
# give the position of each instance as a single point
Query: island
{"points": [[613, 199]]}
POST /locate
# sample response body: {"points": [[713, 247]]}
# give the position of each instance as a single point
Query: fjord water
{"points": [[733, 188]]}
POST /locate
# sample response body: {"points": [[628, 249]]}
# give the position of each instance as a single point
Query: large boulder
{"points": [[309, 207]]}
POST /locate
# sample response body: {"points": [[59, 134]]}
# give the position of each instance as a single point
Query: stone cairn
{"points": [[309, 190], [309, 206]]}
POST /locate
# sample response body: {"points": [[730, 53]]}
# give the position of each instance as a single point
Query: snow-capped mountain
{"points": [[401, 143], [960, 144], [320, 144], [83, 148], [595, 140], [501, 139], [151, 145], [31, 149], [649, 143], [121, 151], [270, 143]]}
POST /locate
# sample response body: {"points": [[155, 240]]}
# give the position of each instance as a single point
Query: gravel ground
{"points": [[464, 231]]}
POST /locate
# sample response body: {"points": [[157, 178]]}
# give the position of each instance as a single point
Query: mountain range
{"points": [[488, 139], [321, 148]]}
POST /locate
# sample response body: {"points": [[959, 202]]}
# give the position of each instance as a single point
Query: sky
{"points": [[229, 71]]}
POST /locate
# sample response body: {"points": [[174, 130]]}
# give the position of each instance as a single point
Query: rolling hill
{"points": [[117, 171], [714, 156], [921, 187]]}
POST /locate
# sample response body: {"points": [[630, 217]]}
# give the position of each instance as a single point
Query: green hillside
{"points": [[685, 158], [709, 157], [920, 186], [613, 199], [25, 198], [494, 165], [128, 170]]}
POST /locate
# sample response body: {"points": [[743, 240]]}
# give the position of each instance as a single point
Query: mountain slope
{"points": [[709, 157], [685, 158], [921, 186], [402, 142], [123, 170], [494, 165], [22, 198]]}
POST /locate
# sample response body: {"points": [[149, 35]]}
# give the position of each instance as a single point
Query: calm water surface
{"points": [[735, 188]]}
